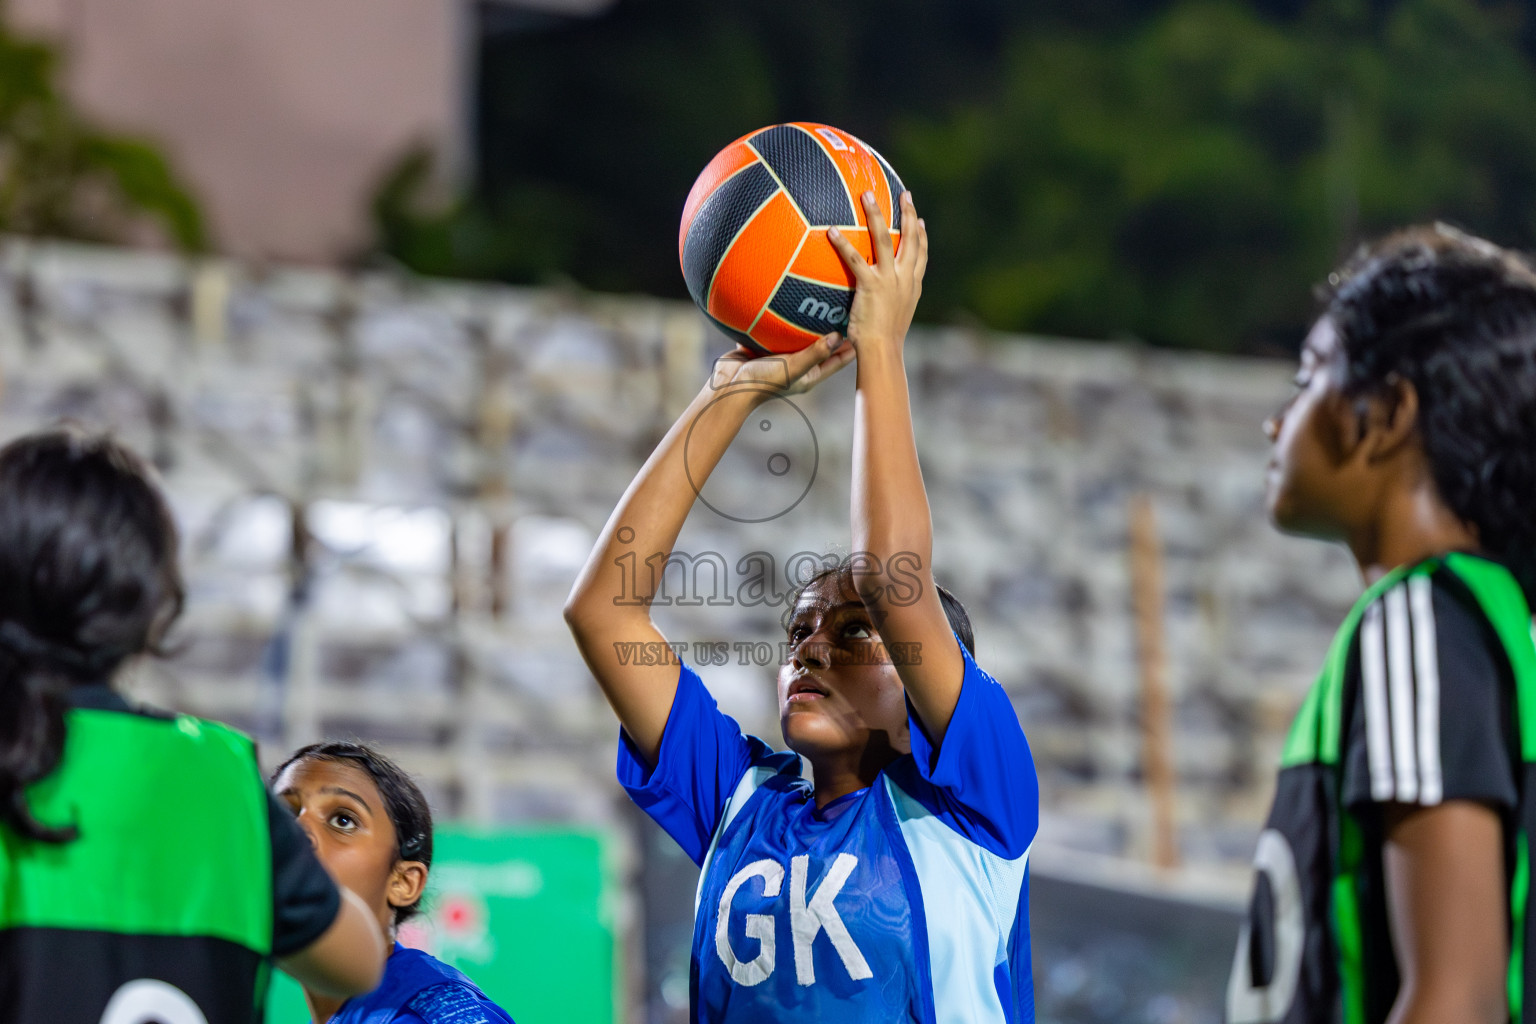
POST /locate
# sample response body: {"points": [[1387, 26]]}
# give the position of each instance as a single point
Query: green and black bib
{"points": [[1315, 947], [161, 909]]}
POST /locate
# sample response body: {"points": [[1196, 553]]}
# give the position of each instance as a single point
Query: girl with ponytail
{"points": [[88, 577], [145, 872], [1393, 880]]}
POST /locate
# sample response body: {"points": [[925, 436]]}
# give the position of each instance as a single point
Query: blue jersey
{"points": [[905, 901], [421, 989]]}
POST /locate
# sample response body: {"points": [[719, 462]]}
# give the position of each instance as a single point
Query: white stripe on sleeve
{"points": [[1426, 668], [1400, 679], [1373, 679]]}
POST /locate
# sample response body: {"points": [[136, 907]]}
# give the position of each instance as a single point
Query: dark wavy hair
{"points": [[88, 578], [1455, 316], [403, 800], [842, 571]]}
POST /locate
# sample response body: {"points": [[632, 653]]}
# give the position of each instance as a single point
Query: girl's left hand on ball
{"points": [[791, 373]]}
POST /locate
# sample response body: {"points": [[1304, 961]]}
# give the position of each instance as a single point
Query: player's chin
{"points": [[1274, 508], [1280, 505], [809, 729], [1292, 517]]}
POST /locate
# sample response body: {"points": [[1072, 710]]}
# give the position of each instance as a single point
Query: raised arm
{"points": [[605, 617], [348, 957], [892, 526]]}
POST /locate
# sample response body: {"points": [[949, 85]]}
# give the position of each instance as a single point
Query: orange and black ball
{"points": [[753, 241]]}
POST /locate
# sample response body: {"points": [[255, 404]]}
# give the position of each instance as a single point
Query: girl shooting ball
{"points": [[894, 885]]}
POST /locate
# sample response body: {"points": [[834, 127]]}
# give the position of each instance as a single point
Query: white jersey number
{"points": [[1248, 1003], [151, 1002]]}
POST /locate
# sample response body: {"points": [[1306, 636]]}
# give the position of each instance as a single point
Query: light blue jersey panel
{"points": [[980, 906], [749, 784]]}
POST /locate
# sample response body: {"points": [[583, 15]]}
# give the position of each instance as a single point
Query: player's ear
{"points": [[1390, 419], [407, 879], [1343, 426]]}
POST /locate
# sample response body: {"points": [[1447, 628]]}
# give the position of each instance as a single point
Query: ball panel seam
{"points": [[720, 219]]}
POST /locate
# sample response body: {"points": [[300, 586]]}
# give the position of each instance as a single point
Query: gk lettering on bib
{"points": [[807, 930], [806, 921]]}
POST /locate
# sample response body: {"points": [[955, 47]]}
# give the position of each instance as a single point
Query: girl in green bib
{"points": [[1393, 880], [145, 872]]}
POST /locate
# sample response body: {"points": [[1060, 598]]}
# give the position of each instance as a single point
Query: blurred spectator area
{"points": [[283, 116]]}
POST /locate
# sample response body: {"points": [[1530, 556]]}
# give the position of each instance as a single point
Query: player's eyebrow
{"points": [[811, 610], [340, 791]]}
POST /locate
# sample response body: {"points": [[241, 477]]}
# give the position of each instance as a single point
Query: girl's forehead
{"points": [[314, 774], [821, 595], [828, 602]]}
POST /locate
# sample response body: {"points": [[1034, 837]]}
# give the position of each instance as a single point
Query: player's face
{"points": [[1308, 485], [839, 694], [339, 807]]}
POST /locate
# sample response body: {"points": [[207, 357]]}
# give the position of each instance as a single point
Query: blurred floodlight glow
{"points": [[572, 342], [387, 537], [550, 549], [255, 597], [255, 532], [359, 603], [416, 330]]}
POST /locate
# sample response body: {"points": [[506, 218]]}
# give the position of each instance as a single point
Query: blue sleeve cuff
{"points": [[703, 755], [982, 775]]}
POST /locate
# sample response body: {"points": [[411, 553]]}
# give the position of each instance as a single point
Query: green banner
{"points": [[528, 914]]}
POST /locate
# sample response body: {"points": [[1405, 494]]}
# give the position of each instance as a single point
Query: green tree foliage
{"points": [[1187, 181], [62, 177], [1180, 173]]}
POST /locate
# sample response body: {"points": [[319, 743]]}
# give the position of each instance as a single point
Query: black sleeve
{"points": [[304, 899], [1431, 717]]}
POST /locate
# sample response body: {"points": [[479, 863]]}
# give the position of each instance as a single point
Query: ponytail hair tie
{"points": [[412, 847]]}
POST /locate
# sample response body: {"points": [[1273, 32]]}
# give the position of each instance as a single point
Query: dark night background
{"points": [[1179, 172]]}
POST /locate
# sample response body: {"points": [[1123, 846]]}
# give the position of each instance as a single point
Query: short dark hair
{"points": [[1455, 315], [403, 800], [842, 569]]}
